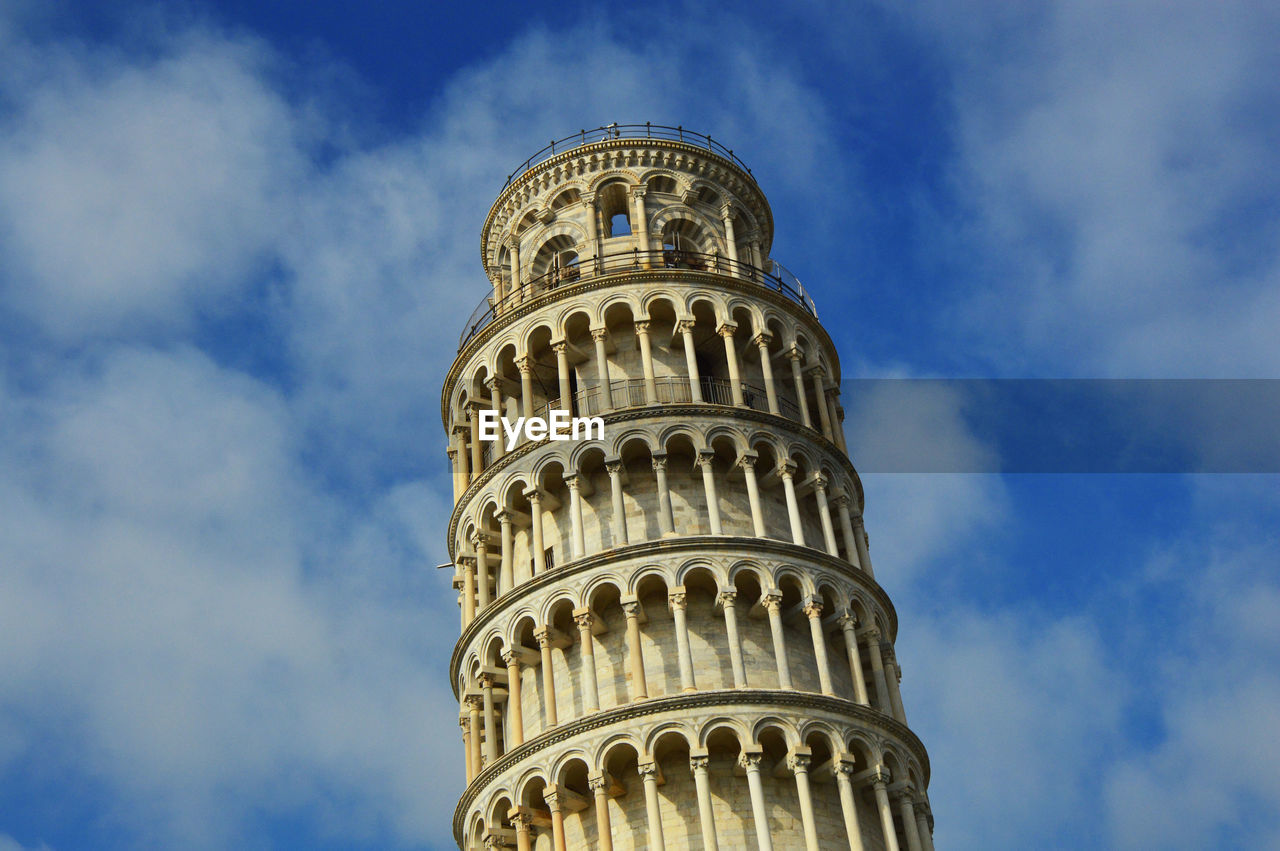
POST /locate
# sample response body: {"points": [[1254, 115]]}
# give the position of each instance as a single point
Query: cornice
{"points": [[694, 700], [704, 544]]}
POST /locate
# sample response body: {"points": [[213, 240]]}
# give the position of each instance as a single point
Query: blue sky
{"points": [[238, 241]]}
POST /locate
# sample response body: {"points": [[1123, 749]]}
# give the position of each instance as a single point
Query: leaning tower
{"points": [[672, 636]]}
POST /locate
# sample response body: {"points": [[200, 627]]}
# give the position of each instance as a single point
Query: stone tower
{"points": [[671, 636]]}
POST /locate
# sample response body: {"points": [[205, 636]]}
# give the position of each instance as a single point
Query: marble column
{"points": [[475, 704], [848, 625], [534, 495], [515, 703], [860, 538], [678, 602], [820, 400], [877, 671], [525, 365], [906, 808], [468, 589], [773, 605], [543, 636], [731, 358], [846, 531], [893, 675], [706, 460], [843, 770], [495, 402], [685, 327], [600, 791], [590, 692], [824, 514], [481, 545], [506, 573], [602, 368], [562, 376], [813, 610], [490, 729], [730, 238], [619, 519], [575, 517], [698, 762], [880, 784], [557, 820], [748, 464], [635, 654], [786, 471], [648, 772], [523, 823], [646, 363], [666, 521], [799, 764], [727, 600], [795, 356], [750, 760], [762, 341]]}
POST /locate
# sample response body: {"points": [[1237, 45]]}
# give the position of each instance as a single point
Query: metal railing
{"points": [[648, 130], [777, 278]]}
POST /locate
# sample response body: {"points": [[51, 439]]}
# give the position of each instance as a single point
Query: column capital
{"points": [[750, 760], [659, 461], [706, 457], [847, 621], [840, 499], [794, 354], [818, 370], [571, 481], [747, 459], [677, 599], [880, 777], [726, 210], [598, 783], [699, 761], [534, 495], [727, 598], [641, 327], [599, 334], [543, 636], [552, 797], [772, 601], [588, 197], [493, 382], [452, 452], [474, 702], [727, 329], [639, 191], [631, 608], [494, 841], [560, 347], [872, 633], [647, 769], [820, 481], [520, 819], [763, 339], [685, 326], [504, 516], [843, 764], [486, 679], [614, 467], [510, 658], [798, 763], [583, 620], [786, 469], [813, 609], [524, 363]]}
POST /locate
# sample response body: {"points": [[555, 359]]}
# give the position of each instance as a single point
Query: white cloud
{"points": [[1115, 159], [134, 194]]}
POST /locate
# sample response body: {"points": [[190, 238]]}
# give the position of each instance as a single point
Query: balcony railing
{"points": [[627, 131], [776, 278]]}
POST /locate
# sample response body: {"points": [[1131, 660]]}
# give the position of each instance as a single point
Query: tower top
{"points": [[608, 162]]}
